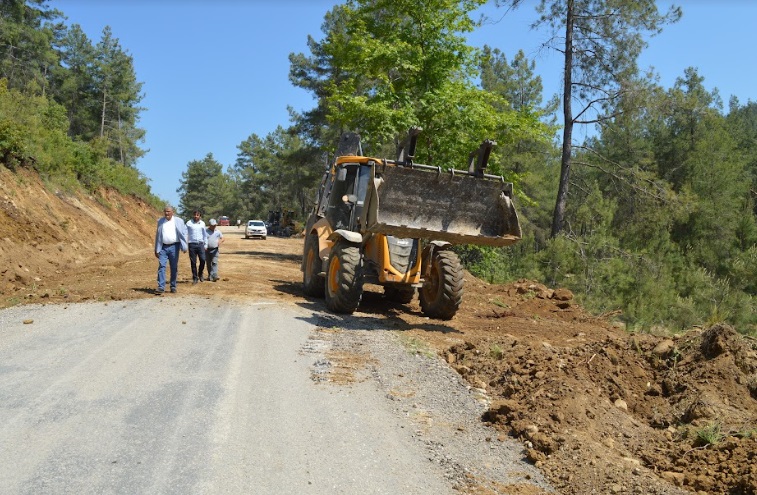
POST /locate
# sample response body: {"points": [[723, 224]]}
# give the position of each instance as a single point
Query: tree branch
{"points": [[658, 193]]}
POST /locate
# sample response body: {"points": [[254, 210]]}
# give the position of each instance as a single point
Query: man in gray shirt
{"points": [[215, 239]]}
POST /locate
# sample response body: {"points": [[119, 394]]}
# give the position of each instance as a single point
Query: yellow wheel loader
{"points": [[393, 223]]}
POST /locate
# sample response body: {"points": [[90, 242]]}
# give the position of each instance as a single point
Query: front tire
{"points": [[313, 284], [442, 291], [344, 278]]}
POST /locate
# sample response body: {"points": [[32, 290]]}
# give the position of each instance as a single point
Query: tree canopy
{"points": [[89, 94]]}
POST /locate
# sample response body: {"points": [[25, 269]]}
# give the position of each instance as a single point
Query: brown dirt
{"points": [[599, 410]]}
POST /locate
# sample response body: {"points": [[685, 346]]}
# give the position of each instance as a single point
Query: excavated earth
{"points": [[598, 409]]}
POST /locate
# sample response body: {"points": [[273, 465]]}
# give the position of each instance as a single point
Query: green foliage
{"points": [[28, 31], [495, 265], [746, 432], [203, 188], [397, 61], [97, 85], [12, 149], [36, 138], [116, 94], [68, 109], [600, 42], [710, 434], [514, 81], [416, 346], [128, 180], [496, 351], [278, 172], [384, 66]]}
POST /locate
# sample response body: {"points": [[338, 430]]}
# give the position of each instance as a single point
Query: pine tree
{"points": [[202, 187], [118, 93], [76, 85], [600, 41], [28, 32]]}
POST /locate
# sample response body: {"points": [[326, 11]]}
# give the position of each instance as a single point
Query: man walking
{"points": [[170, 236], [198, 242], [215, 239]]}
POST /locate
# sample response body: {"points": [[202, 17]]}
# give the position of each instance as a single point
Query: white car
{"points": [[255, 228]]}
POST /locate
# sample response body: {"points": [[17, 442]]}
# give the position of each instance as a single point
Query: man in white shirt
{"points": [[198, 242], [170, 236]]}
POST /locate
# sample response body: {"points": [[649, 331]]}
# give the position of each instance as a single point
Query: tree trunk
{"points": [[102, 116], [120, 139], [562, 190]]}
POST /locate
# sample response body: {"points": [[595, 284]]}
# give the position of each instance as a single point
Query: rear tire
{"points": [[442, 292], [344, 278], [399, 294], [312, 283]]}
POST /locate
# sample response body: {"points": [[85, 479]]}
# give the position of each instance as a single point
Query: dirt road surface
{"points": [[219, 389], [192, 395], [591, 407]]}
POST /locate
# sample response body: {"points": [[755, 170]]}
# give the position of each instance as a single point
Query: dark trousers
{"points": [[197, 249]]}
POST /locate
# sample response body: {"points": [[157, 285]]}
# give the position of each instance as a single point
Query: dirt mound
{"points": [[599, 410], [602, 411], [49, 237]]}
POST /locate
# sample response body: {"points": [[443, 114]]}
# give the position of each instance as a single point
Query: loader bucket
{"points": [[428, 204]]}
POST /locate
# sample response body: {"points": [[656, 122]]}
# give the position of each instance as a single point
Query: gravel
{"points": [[443, 410]]}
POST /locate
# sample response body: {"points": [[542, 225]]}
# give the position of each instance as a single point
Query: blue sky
{"points": [[215, 72]]}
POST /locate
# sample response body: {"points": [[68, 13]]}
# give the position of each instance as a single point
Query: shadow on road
{"points": [[389, 318], [269, 256], [374, 312], [288, 287], [146, 290], [151, 290]]}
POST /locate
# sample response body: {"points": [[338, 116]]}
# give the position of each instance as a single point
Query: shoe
{"points": [[173, 289], [159, 292], [202, 279], [215, 279], [194, 281]]}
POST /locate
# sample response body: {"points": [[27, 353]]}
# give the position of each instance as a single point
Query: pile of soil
{"points": [[598, 409], [604, 411]]}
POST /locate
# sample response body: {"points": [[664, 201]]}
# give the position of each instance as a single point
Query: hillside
{"points": [[597, 409]]}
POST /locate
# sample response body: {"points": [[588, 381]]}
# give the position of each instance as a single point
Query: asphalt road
{"points": [[189, 395]]}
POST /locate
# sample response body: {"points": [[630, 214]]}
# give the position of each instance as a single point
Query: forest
{"points": [[650, 219]]}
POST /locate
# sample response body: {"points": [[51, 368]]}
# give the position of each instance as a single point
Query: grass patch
{"points": [[499, 303], [496, 352], [416, 346], [746, 433], [710, 434], [13, 301]]}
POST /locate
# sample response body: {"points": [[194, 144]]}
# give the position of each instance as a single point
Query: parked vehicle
{"points": [[223, 221], [255, 228], [281, 223]]}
